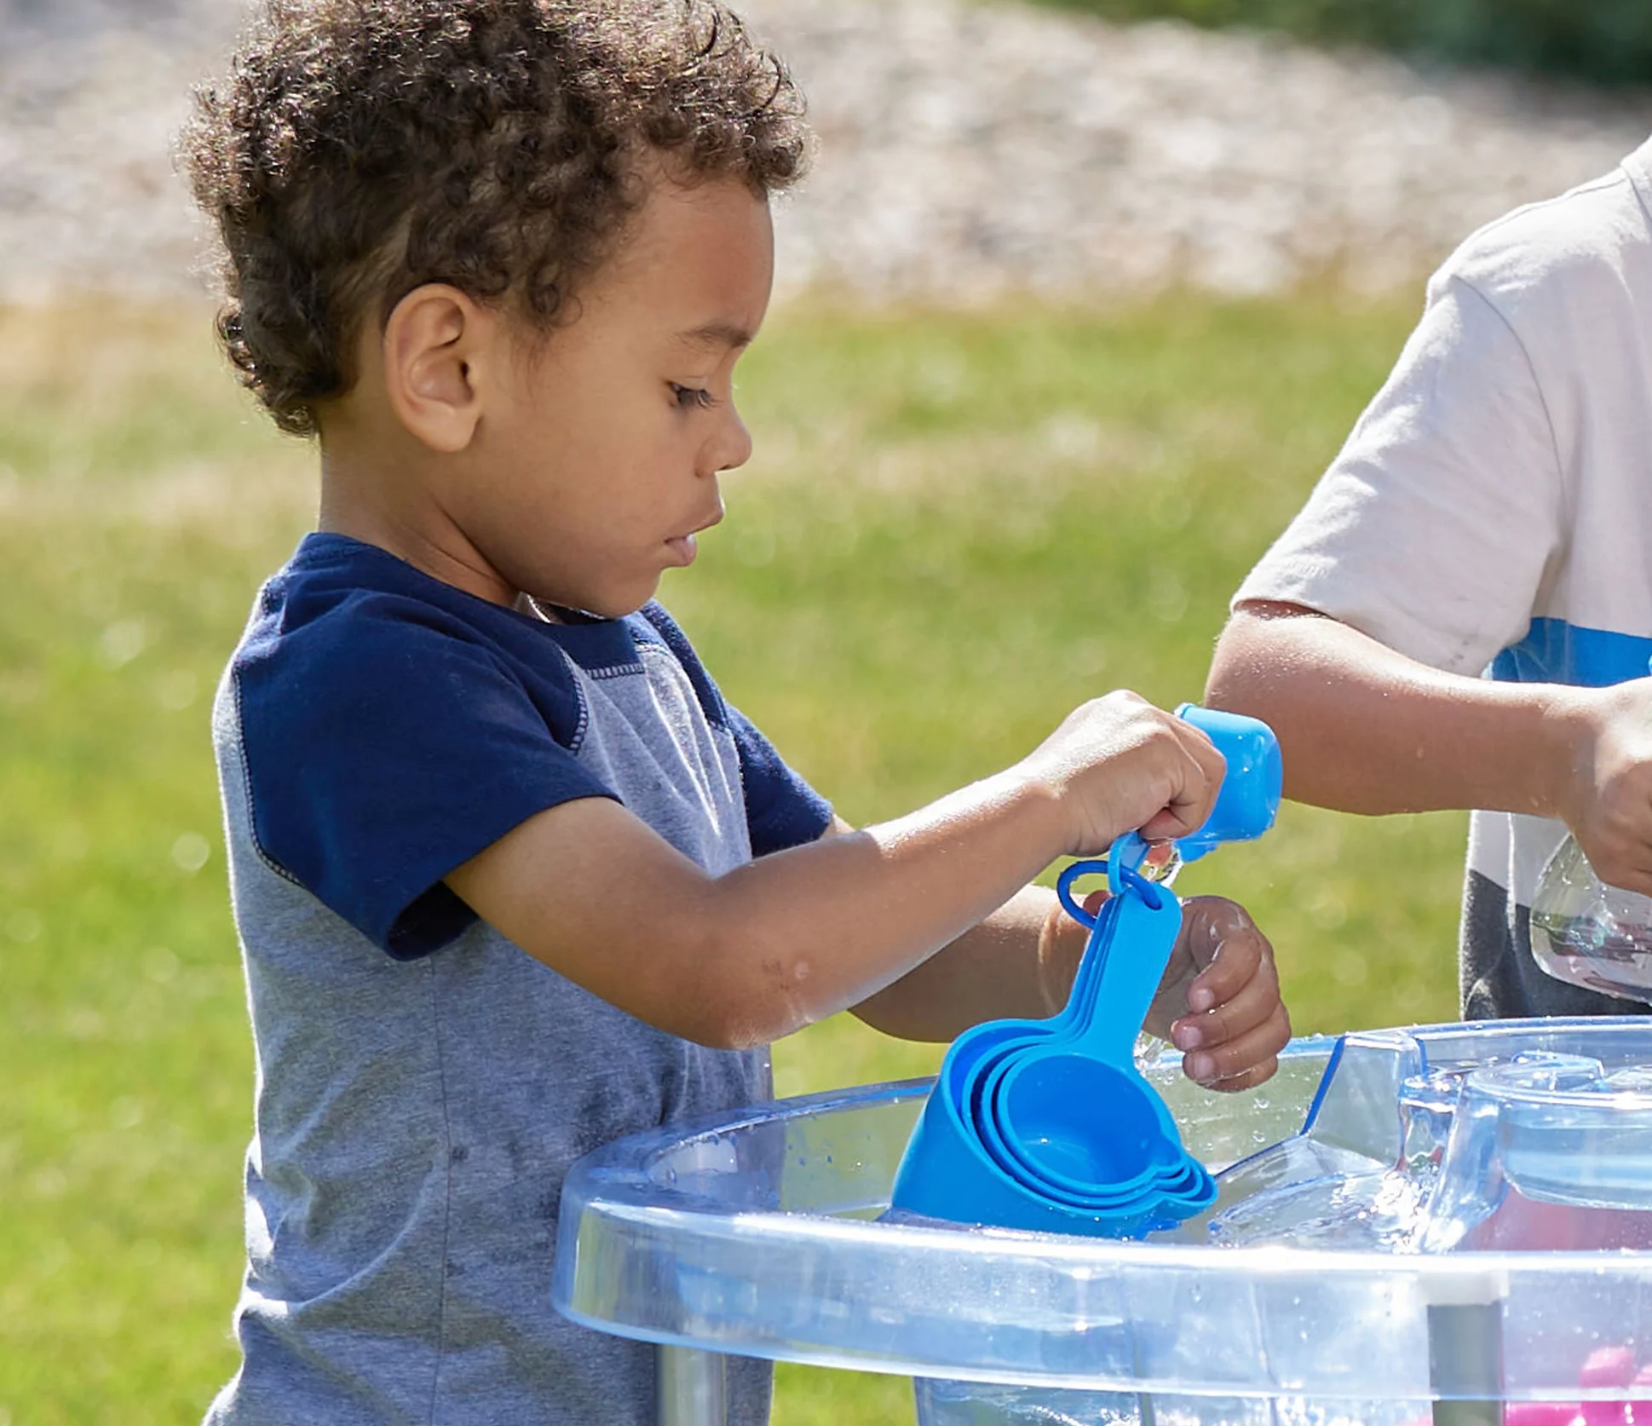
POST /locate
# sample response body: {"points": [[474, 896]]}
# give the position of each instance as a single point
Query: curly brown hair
{"points": [[358, 149]]}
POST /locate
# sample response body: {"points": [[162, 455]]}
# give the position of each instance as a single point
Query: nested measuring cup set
{"points": [[1047, 1125]]}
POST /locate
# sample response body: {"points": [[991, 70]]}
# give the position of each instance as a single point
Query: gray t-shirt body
{"points": [[423, 1084]]}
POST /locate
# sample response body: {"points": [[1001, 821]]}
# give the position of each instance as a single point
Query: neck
{"points": [[398, 511]]}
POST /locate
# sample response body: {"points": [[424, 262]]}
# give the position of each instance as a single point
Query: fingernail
{"points": [[1186, 1037], [1202, 1068], [1201, 997]]}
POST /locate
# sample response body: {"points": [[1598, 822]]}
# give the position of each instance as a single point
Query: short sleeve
{"points": [[782, 810], [1434, 529], [384, 747]]}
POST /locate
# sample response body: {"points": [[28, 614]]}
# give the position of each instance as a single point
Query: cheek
{"points": [[620, 441]]}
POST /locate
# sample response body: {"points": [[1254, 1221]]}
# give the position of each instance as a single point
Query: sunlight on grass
{"points": [[954, 529]]}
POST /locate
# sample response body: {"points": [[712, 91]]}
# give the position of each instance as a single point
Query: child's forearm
{"points": [[1014, 963], [859, 913], [750, 956], [756, 953], [1366, 729]]}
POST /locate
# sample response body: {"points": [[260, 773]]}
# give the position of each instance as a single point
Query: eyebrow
{"points": [[716, 334]]}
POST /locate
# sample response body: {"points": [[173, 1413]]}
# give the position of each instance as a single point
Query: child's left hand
{"points": [[1219, 1000]]}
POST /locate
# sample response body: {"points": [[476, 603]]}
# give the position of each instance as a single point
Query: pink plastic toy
{"points": [[1609, 1366]]}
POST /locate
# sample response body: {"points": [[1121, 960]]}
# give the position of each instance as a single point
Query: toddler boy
{"points": [[511, 877], [1492, 511]]}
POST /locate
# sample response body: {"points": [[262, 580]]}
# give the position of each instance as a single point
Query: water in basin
{"points": [[1457, 1212], [1521, 1149]]}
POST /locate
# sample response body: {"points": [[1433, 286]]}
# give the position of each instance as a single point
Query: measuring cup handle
{"points": [[1143, 934], [1123, 858], [1064, 890]]}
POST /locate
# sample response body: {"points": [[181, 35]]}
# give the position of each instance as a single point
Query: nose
{"points": [[730, 448]]}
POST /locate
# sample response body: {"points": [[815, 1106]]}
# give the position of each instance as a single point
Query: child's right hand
{"points": [[1607, 801], [1118, 764]]}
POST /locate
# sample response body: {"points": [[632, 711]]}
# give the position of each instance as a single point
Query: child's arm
{"points": [[750, 956], [1219, 1000], [1366, 729]]}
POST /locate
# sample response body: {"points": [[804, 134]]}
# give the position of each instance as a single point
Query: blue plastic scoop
{"points": [[1027, 1144], [1075, 1110], [1047, 1124]]}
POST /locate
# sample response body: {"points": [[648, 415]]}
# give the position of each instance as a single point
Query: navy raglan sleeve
{"points": [[386, 748], [782, 810]]}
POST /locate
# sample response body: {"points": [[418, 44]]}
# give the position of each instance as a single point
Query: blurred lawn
{"points": [[955, 528]]}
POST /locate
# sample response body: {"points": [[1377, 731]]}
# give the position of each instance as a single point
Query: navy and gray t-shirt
{"points": [[422, 1083]]}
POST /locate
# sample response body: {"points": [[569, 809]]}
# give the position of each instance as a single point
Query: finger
{"points": [[1203, 752], [1225, 946], [1201, 781], [1257, 1049], [1622, 869], [1259, 1074], [1238, 962], [1233, 1018]]}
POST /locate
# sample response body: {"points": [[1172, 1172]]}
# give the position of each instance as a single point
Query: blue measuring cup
{"points": [[1118, 922], [1077, 1111], [951, 1170], [1249, 797], [1002, 1141], [1074, 1111]]}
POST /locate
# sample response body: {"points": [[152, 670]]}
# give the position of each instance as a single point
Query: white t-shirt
{"points": [[1492, 509]]}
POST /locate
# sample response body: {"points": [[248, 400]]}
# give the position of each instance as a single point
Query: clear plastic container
{"points": [[1587, 933], [1453, 1214]]}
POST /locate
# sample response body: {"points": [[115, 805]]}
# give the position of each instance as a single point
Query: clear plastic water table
{"points": [[1447, 1224]]}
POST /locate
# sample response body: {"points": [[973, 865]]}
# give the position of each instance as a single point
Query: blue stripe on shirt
{"points": [[1554, 651]]}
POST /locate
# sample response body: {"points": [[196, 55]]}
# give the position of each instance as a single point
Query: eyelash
{"points": [[693, 396]]}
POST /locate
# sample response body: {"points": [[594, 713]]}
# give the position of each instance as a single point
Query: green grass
{"points": [[954, 529]]}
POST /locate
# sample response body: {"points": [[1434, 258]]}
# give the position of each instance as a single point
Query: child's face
{"points": [[598, 459]]}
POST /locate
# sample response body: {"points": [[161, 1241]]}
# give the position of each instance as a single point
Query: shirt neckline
{"points": [[592, 642]]}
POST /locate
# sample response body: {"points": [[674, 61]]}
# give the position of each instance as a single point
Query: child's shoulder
{"points": [[1595, 237], [342, 604], [338, 597], [347, 636], [347, 642]]}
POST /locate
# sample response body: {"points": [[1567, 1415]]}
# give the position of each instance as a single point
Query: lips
{"points": [[685, 546]]}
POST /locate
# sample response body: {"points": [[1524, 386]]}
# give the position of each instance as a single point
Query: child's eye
{"points": [[693, 396]]}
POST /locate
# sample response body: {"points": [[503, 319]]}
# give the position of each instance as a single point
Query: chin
{"points": [[620, 603]]}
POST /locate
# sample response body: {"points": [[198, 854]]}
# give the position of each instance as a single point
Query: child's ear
{"points": [[436, 348]]}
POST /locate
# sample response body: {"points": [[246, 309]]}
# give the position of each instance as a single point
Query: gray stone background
{"points": [[967, 148]]}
